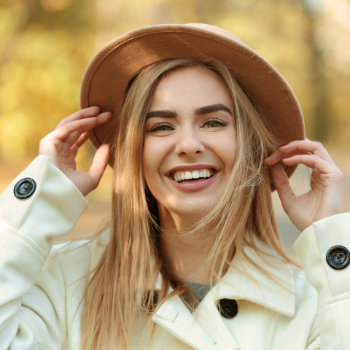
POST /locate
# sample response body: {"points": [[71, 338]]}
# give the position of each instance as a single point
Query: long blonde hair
{"points": [[131, 263]]}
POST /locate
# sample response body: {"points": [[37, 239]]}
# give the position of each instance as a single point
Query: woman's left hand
{"points": [[325, 196]]}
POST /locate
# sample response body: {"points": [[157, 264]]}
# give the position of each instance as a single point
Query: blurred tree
{"points": [[41, 54], [321, 116], [333, 37]]}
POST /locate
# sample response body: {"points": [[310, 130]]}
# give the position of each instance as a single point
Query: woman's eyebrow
{"points": [[161, 113], [199, 111], [213, 108]]}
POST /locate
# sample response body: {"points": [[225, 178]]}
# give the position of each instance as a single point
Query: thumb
{"points": [[281, 182], [99, 164]]}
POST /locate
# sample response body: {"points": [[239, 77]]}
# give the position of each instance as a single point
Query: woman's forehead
{"points": [[191, 85]]}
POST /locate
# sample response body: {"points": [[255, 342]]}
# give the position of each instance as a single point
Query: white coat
{"points": [[40, 293]]}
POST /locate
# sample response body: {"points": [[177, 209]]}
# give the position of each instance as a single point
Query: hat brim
{"points": [[107, 77]]}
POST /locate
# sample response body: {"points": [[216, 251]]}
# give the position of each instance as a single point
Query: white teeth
{"points": [[189, 175], [195, 174]]}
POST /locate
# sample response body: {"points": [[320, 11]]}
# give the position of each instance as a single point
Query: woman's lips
{"points": [[192, 178], [188, 175], [193, 185]]}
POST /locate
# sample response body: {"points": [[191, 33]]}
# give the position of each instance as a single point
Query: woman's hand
{"points": [[325, 196], [63, 143]]}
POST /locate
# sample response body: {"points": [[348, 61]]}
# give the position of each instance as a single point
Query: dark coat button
{"points": [[338, 257], [24, 188], [228, 308]]}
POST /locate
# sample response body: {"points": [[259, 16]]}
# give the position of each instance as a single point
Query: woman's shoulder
{"points": [[77, 259]]}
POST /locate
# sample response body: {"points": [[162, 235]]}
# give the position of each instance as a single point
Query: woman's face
{"points": [[190, 142]]}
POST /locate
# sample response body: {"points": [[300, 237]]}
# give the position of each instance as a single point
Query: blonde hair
{"points": [[123, 282]]}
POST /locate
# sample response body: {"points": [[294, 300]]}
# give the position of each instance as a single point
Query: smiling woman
{"points": [[192, 257], [190, 127]]}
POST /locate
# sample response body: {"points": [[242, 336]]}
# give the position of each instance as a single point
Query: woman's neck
{"points": [[186, 254]]}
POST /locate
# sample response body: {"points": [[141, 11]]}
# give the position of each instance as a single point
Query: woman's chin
{"points": [[186, 215]]}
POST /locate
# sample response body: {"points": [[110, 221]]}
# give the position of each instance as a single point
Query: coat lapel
{"points": [[248, 282], [204, 328], [174, 316]]}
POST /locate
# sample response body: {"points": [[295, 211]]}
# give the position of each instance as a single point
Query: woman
{"points": [[192, 258]]}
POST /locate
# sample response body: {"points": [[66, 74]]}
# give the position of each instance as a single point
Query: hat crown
{"points": [[217, 30]]}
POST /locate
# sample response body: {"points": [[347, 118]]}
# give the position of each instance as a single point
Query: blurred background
{"points": [[45, 46]]}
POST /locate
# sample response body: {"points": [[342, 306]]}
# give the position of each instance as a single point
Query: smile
{"points": [[184, 176]]}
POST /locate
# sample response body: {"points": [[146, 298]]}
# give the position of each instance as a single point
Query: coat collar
{"points": [[242, 281], [245, 281]]}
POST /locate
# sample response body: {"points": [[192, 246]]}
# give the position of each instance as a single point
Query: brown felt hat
{"points": [[107, 76]]}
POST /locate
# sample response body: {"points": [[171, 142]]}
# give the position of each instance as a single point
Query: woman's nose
{"points": [[188, 143]]}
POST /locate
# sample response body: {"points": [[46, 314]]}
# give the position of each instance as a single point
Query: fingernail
{"points": [[285, 144]]}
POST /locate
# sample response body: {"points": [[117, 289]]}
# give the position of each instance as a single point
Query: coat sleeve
{"points": [[323, 249], [32, 312]]}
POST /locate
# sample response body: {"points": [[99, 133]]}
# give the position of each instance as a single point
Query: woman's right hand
{"points": [[62, 145]]}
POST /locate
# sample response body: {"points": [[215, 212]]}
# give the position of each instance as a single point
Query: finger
{"points": [[76, 138], [99, 163], [273, 158], [282, 185], [277, 156], [82, 139], [306, 146], [298, 147], [82, 113], [72, 138], [80, 126], [310, 160]]}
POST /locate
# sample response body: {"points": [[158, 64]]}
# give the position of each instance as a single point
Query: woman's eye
{"points": [[214, 123], [160, 128]]}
